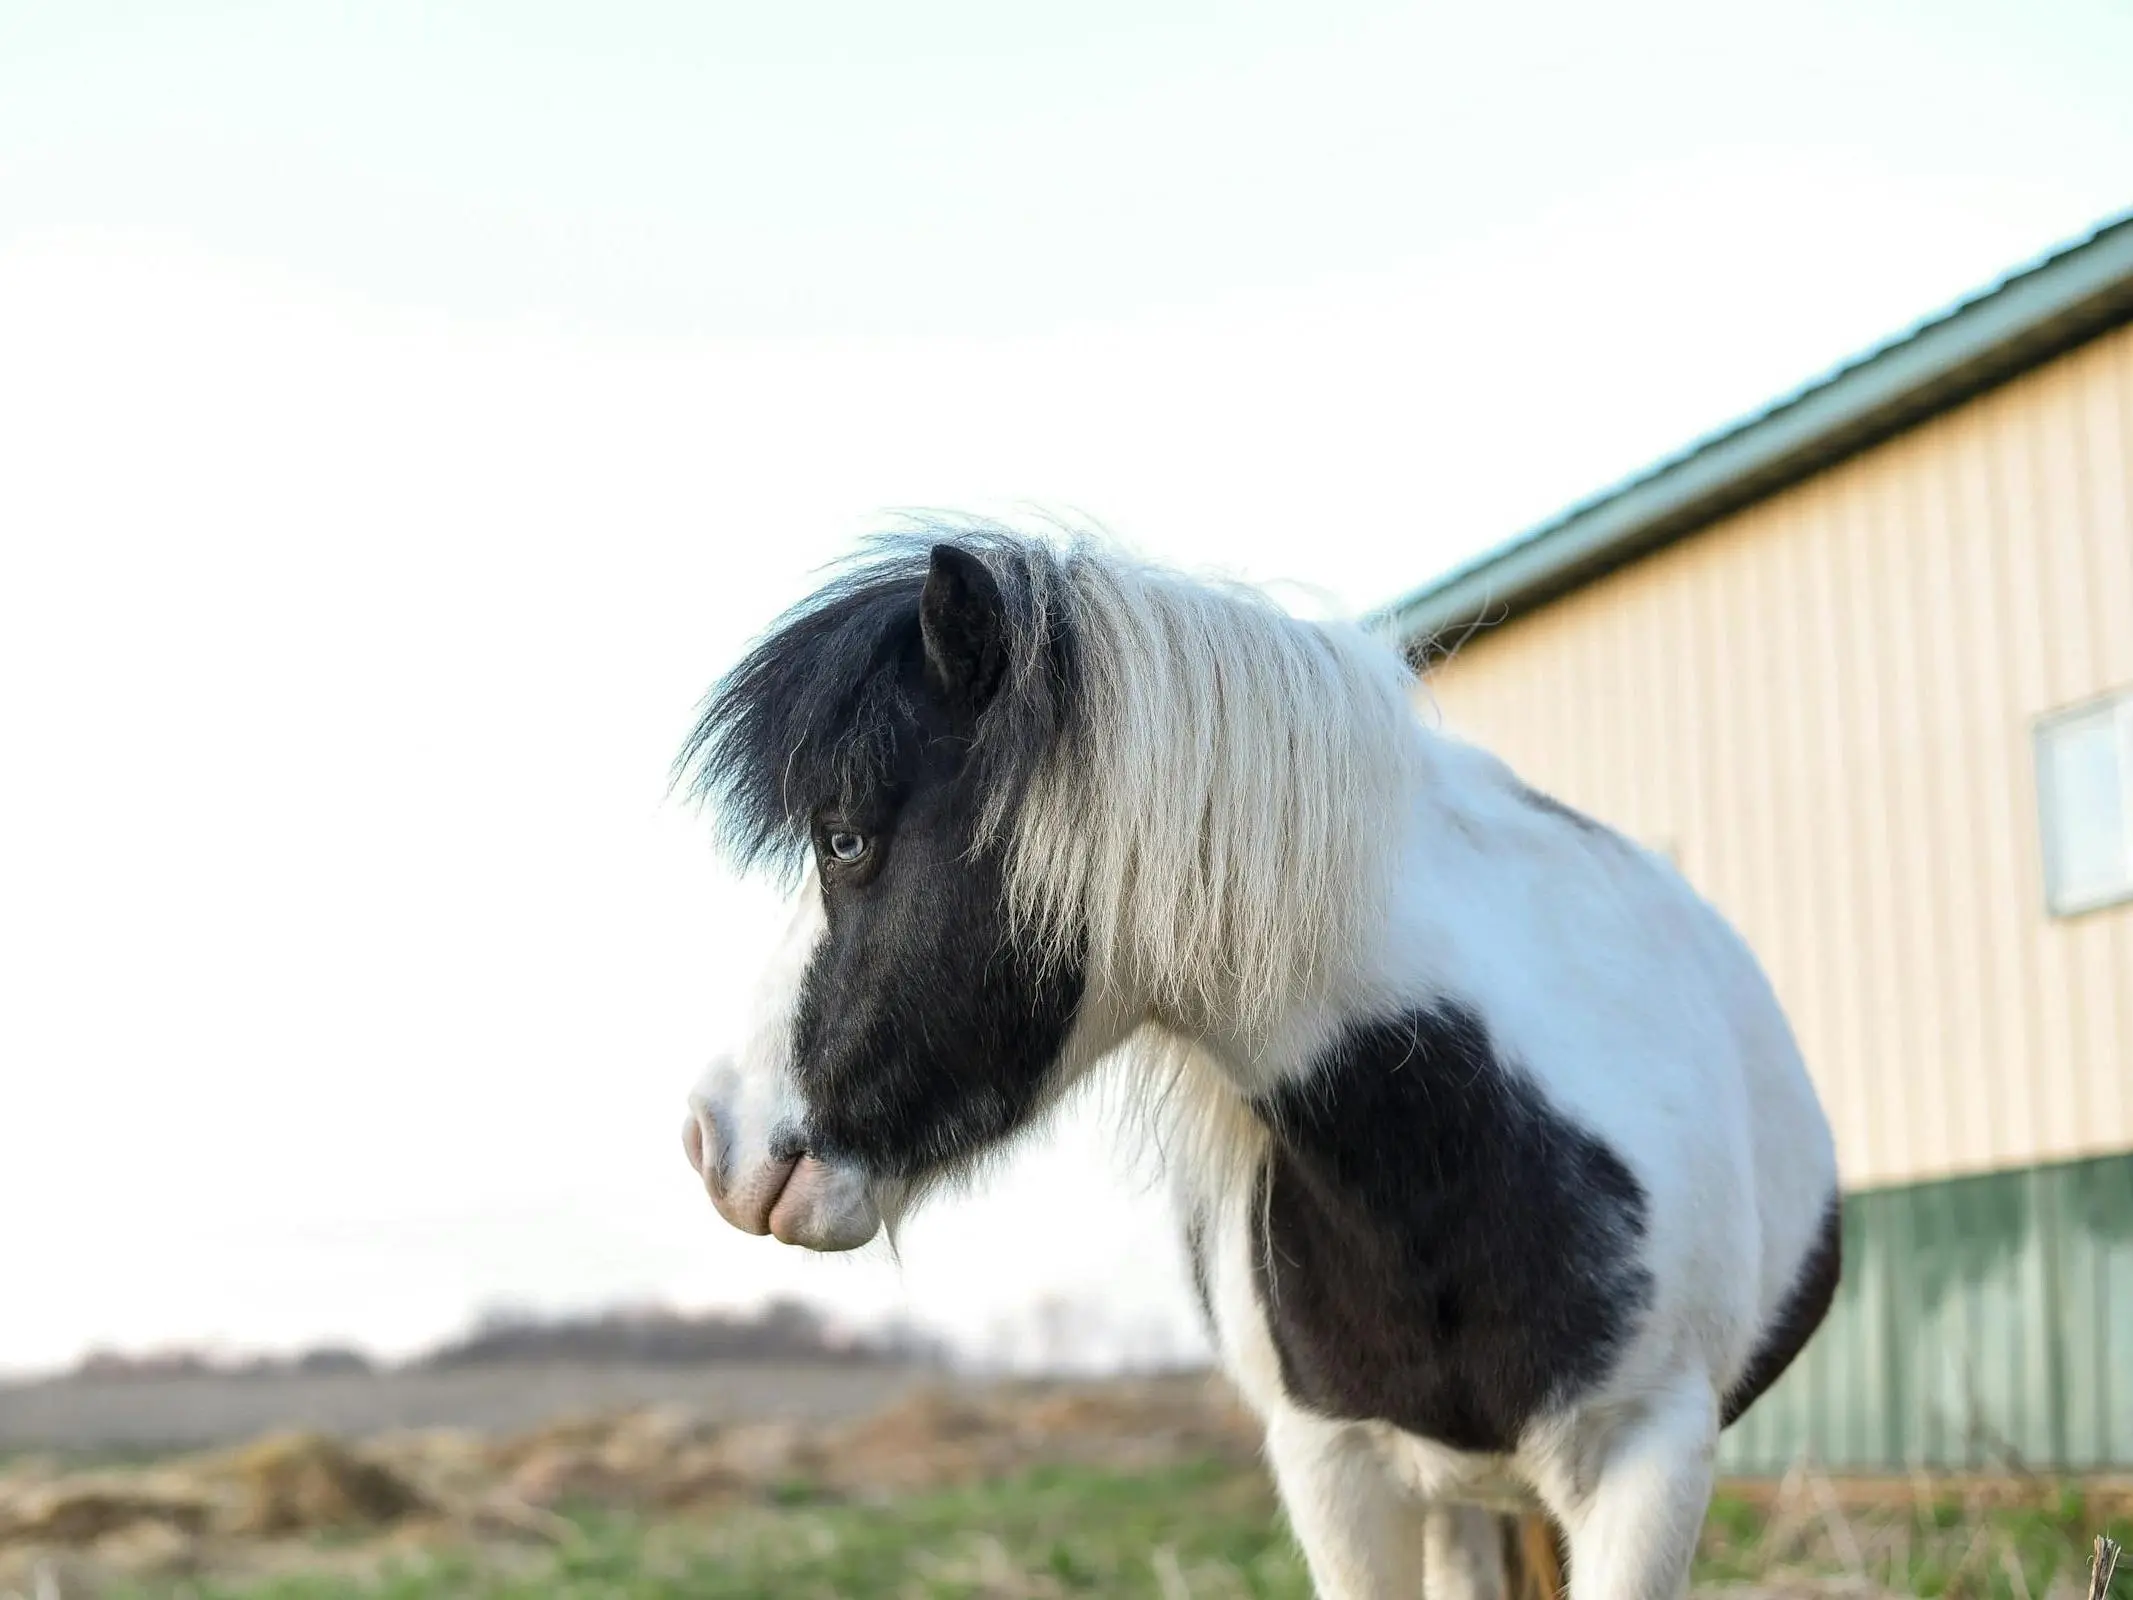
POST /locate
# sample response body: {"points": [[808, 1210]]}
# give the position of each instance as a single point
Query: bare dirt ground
{"points": [[90, 1416]]}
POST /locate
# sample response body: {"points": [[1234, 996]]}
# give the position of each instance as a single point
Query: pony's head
{"points": [[881, 735], [1037, 795]]}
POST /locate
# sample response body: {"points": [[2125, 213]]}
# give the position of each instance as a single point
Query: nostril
{"points": [[706, 1149]]}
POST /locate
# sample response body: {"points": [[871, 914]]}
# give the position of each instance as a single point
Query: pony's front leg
{"points": [[1633, 1532], [1362, 1534]]}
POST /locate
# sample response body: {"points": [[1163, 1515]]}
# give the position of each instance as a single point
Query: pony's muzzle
{"points": [[800, 1199]]}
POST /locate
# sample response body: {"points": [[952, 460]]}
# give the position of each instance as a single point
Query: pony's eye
{"points": [[847, 846]]}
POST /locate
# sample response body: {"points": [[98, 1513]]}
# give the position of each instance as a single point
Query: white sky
{"points": [[404, 417]]}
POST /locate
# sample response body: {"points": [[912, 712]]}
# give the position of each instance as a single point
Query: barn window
{"points": [[2085, 800]]}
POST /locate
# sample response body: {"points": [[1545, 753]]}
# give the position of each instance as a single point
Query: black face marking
{"points": [[872, 729], [1438, 1248], [810, 717], [1805, 1306], [925, 1030]]}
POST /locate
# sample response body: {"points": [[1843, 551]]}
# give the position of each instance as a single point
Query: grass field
{"points": [[1206, 1532]]}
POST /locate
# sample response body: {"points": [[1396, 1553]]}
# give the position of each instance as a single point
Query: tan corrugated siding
{"points": [[1823, 706]]}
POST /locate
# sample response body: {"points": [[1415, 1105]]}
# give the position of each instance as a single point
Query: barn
{"points": [[1862, 665]]}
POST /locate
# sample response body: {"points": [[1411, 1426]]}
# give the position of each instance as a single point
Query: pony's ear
{"points": [[963, 622]]}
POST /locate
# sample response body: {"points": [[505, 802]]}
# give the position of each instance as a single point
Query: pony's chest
{"points": [[1433, 1247], [1435, 1472]]}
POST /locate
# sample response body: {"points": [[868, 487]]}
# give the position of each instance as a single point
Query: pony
{"points": [[1502, 1181]]}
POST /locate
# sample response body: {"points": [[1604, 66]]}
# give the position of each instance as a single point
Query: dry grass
{"points": [[1967, 1539]]}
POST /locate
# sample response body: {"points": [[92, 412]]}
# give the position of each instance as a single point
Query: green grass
{"points": [[1053, 1533], [1210, 1532]]}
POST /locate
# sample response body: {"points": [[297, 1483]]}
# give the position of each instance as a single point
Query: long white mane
{"points": [[1222, 812]]}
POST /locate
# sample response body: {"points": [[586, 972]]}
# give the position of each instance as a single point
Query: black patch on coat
{"points": [[1437, 1247], [1814, 1287], [896, 705]]}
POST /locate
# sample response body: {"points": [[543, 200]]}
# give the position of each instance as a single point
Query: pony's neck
{"points": [[1252, 1059]]}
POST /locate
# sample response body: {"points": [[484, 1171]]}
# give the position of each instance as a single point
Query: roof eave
{"points": [[2027, 319]]}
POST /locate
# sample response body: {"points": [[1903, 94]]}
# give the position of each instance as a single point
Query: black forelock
{"points": [[809, 715]]}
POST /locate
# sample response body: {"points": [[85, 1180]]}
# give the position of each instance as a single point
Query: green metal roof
{"points": [[2027, 317]]}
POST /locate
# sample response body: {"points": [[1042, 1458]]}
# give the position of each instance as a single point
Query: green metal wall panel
{"points": [[1982, 1322]]}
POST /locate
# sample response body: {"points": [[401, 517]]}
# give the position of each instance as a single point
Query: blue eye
{"points": [[847, 847]]}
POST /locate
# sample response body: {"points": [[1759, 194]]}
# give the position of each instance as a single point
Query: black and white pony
{"points": [[1503, 1181]]}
